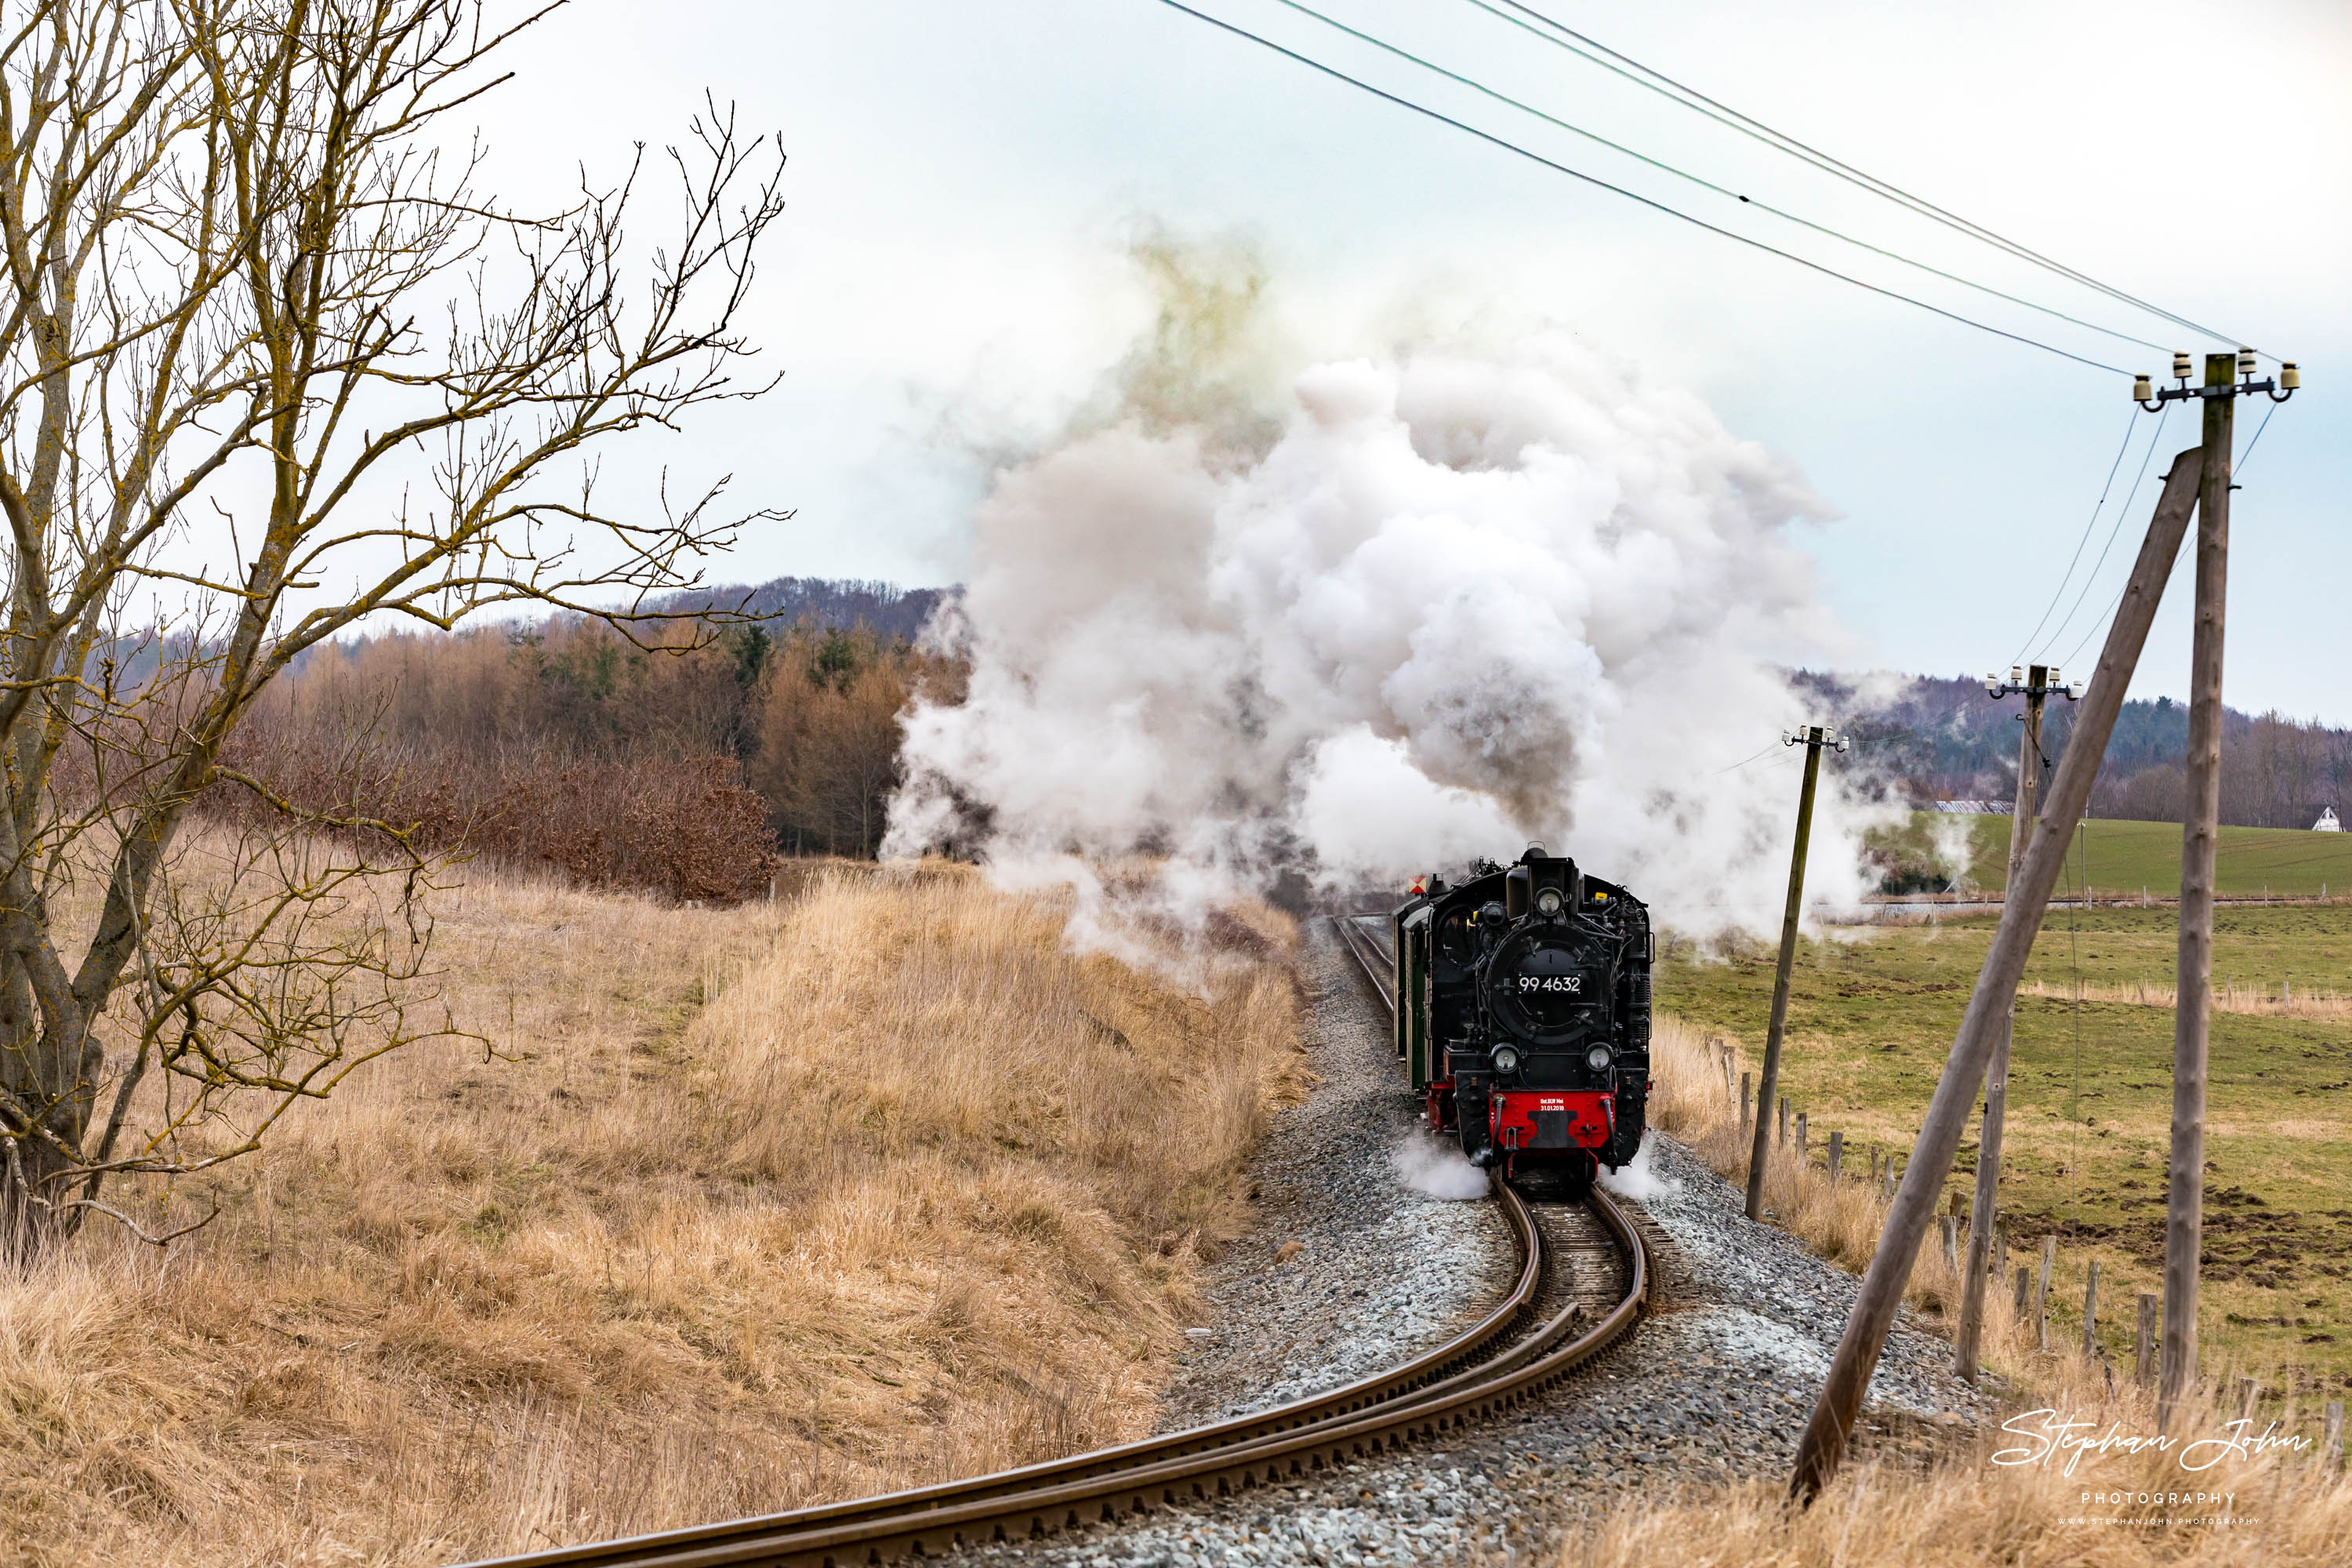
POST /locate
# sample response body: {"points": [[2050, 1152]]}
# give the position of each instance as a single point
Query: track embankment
{"points": [[1505, 1359], [1493, 1431]]}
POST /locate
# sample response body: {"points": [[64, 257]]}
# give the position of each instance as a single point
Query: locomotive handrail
{"points": [[1433, 1392]]}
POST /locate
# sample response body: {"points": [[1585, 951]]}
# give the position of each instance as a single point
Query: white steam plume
{"points": [[1436, 1168], [1460, 595]]}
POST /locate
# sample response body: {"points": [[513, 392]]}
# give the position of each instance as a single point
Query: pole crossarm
{"points": [[1823, 1444], [2219, 386]]}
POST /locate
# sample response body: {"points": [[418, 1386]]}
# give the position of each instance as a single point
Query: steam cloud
{"points": [[1436, 1168], [1459, 594], [1637, 1178]]}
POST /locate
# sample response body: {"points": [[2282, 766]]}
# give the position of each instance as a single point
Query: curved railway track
{"points": [[1489, 1368]]}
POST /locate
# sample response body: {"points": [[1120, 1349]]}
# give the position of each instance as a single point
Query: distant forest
{"points": [[1946, 740], [680, 767]]}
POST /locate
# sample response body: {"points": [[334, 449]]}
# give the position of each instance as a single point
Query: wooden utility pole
{"points": [[2038, 683], [1812, 737], [2184, 1210], [1822, 1447]]}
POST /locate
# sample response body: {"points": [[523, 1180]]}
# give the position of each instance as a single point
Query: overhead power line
{"points": [[1701, 181], [1690, 98], [1655, 205], [2153, 440], [2088, 529], [2239, 466]]}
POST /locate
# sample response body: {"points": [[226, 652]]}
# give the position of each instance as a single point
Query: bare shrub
{"points": [[682, 827]]}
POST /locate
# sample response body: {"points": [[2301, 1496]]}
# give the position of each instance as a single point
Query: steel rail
{"points": [[1439, 1391], [1379, 967]]}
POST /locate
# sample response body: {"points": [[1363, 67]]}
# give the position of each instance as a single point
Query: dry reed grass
{"points": [[1959, 1505], [1692, 1098], [2289, 1000], [773, 1204]]}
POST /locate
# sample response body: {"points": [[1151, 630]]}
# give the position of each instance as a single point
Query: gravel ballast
{"points": [[1346, 1269], [1715, 1381]]}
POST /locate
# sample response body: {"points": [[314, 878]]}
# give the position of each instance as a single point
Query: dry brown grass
{"points": [[916, 1192], [1841, 1220], [2289, 1510], [2277, 1003]]}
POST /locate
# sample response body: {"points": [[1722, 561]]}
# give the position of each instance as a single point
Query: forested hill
{"points": [[882, 609], [1943, 739]]}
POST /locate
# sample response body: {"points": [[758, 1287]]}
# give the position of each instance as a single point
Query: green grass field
{"points": [[2126, 857], [1871, 1016]]}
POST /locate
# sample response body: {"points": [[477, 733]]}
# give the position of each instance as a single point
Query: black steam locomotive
{"points": [[1523, 1013]]}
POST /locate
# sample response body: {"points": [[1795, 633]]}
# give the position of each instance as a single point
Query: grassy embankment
{"points": [[1978, 1499], [771, 1204], [2121, 859], [1871, 1016]]}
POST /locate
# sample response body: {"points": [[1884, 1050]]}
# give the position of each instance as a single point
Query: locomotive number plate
{"points": [[1568, 985]]}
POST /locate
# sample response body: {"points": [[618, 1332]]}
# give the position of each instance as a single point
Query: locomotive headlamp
{"points": [[1547, 902], [1506, 1058], [1598, 1059]]}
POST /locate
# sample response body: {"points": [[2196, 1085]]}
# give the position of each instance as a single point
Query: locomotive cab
{"points": [[1523, 1013]]}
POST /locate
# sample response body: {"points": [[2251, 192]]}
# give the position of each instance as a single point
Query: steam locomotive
{"points": [[1523, 1014]]}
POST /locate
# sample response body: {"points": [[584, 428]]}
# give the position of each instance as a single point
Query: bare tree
{"points": [[270, 364]]}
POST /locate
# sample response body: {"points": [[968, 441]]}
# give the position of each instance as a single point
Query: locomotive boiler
{"points": [[1523, 1014]]}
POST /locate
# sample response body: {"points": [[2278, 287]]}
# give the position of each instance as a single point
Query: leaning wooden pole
{"points": [[2184, 1216], [1822, 1447]]}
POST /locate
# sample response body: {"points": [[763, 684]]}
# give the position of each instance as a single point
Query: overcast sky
{"points": [[962, 175]]}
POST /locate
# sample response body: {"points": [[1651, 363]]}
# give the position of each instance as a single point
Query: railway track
{"points": [[1366, 940], [1550, 1321]]}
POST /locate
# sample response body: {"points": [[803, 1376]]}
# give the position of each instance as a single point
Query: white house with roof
{"points": [[2327, 823]]}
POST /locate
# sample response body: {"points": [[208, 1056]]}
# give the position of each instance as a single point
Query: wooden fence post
{"points": [[2144, 1367], [1951, 1242], [1743, 1104], [1780, 1134], [2024, 1289], [1999, 1247], [2091, 1311], [1801, 1138], [1837, 1154], [2041, 1292]]}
